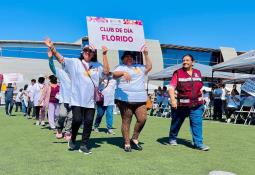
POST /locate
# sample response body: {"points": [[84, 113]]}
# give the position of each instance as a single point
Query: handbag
{"points": [[98, 96]]}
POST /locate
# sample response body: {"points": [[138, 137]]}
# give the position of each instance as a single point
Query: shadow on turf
{"points": [[165, 141], [97, 142]]}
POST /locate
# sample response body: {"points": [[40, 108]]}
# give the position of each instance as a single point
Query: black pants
{"points": [[85, 115], [217, 110], [30, 107], [18, 106], [37, 112]]}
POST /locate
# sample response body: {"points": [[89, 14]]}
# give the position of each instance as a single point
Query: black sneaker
{"points": [[71, 145], [136, 146], [84, 150], [127, 149]]}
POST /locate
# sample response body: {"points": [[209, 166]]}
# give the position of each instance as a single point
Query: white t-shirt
{"points": [[133, 91], [109, 91], [223, 95], [37, 92], [82, 88], [233, 102], [30, 91], [18, 97], [65, 86]]}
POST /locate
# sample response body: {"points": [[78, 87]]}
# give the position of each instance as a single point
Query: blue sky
{"points": [[211, 23]]}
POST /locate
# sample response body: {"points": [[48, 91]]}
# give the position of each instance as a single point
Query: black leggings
{"points": [[85, 115], [37, 112]]}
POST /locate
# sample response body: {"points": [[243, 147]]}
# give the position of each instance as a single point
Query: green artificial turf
{"points": [[28, 149]]}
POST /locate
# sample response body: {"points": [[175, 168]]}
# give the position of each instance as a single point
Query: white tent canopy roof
{"points": [[244, 63], [205, 70]]}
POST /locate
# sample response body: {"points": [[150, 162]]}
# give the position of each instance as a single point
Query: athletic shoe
{"points": [[83, 149], [42, 123], [127, 149], [202, 148], [37, 123], [136, 146], [110, 131], [96, 129], [59, 135], [173, 142], [71, 145]]}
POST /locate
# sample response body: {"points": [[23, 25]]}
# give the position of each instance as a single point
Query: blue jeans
{"points": [[100, 113], [195, 116], [24, 108], [8, 106]]}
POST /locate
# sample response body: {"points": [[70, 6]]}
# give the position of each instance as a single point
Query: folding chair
{"points": [[166, 111], [206, 113], [251, 117], [246, 110]]}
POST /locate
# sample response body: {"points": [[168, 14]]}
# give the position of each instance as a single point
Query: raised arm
{"points": [[148, 64], [51, 62], [54, 51], [106, 67]]}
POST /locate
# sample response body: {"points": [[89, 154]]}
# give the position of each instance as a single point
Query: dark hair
{"points": [[33, 80], [93, 59], [127, 53], [41, 80], [188, 55], [164, 88], [53, 79], [25, 87], [21, 90], [9, 85]]}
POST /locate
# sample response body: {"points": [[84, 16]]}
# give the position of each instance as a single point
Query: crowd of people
{"points": [[82, 90]]}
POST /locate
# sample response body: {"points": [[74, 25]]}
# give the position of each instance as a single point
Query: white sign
{"points": [[13, 78], [116, 34], [249, 87]]}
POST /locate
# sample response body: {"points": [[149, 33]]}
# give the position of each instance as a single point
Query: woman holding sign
{"points": [[84, 76], [131, 96]]}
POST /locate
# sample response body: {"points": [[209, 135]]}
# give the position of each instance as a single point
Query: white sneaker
{"points": [[173, 142], [111, 132], [42, 123], [229, 120], [96, 129], [37, 123]]}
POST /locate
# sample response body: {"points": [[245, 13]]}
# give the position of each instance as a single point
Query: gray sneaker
{"points": [[71, 145], [111, 132], [202, 148], [173, 142], [83, 149], [96, 129]]}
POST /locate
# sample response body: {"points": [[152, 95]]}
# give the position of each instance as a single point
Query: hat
{"points": [[126, 53], [87, 48]]}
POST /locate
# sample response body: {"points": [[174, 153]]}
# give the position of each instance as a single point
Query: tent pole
{"points": [[210, 107]]}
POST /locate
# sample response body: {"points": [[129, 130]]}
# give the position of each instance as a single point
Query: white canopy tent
{"points": [[205, 70], [244, 63]]}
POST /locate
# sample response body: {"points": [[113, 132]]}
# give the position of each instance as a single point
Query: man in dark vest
{"points": [[9, 99], [189, 103]]}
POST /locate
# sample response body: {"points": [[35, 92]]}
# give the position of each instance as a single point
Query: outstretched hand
{"points": [[48, 42], [105, 50]]}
